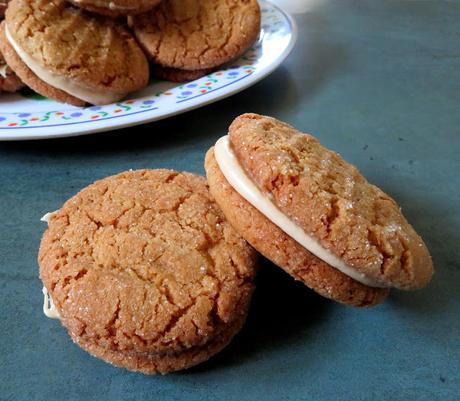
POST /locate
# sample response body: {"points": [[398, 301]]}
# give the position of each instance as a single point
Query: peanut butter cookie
{"points": [[145, 272], [313, 214], [69, 55], [195, 35]]}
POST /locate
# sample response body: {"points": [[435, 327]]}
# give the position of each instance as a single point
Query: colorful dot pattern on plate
{"points": [[27, 110]]}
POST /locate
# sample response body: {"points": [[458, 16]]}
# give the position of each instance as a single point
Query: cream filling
{"points": [[3, 70], [239, 180], [103, 4], [68, 85], [48, 305], [47, 216]]}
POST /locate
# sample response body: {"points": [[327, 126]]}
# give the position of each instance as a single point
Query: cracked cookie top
{"points": [[92, 50], [145, 261], [195, 35], [330, 200]]}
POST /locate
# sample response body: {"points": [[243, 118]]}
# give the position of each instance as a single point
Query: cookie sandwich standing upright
{"points": [[145, 272], [69, 55], [186, 39], [313, 214]]}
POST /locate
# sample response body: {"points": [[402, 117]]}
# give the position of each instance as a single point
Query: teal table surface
{"points": [[377, 81]]}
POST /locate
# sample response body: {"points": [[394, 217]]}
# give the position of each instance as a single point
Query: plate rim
{"points": [[83, 128]]}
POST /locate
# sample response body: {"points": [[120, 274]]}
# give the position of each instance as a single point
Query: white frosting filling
{"points": [[239, 180], [103, 4], [3, 69], [47, 216], [71, 86], [48, 306]]}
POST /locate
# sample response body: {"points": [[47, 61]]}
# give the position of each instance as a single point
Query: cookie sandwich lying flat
{"points": [[9, 82], [313, 214], [115, 8], [70, 56], [145, 272], [187, 39]]}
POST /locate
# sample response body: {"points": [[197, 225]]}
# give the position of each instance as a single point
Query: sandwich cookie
{"points": [[145, 272], [313, 214], [196, 36], [70, 56], [9, 82], [116, 8]]}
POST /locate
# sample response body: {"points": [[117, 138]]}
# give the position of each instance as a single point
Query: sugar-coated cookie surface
{"points": [[197, 34], [329, 199], [284, 251], [146, 272], [93, 52], [27, 76]]}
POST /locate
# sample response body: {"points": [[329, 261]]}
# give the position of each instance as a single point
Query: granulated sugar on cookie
{"points": [[313, 214], [145, 272], [189, 38], [69, 55]]}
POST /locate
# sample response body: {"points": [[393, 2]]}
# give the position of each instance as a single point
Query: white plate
{"points": [[29, 116]]}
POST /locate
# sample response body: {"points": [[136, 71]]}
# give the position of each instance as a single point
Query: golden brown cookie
{"points": [[9, 82], [145, 271], [197, 34], [329, 202], [116, 8], [69, 55]]}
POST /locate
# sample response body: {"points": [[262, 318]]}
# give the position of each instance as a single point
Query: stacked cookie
{"points": [[9, 82], [83, 51], [153, 270]]}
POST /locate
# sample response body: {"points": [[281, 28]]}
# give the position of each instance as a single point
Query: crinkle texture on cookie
{"points": [[9, 82], [66, 41], [332, 201], [26, 75], [144, 262], [115, 8], [284, 251], [198, 34]]}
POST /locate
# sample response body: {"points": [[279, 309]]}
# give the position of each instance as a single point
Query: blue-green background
{"points": [[377, 81]]}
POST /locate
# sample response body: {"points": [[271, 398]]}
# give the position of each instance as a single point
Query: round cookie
{"points": [[116, 8], [145, 272], [197, 34], [329, 202], [70, 56], [9, 82], [284, 251]]}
